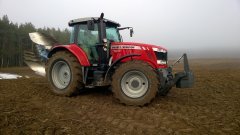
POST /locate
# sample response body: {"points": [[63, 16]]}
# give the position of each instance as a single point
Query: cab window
{"points": [[112, 34], [88, 37], [87, 40], [72, 34]]}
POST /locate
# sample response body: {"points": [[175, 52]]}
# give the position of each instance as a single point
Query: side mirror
{"points": [[131, 32], [90, 25]]}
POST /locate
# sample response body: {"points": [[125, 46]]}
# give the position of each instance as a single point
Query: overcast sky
{"points": [[192, 26]]}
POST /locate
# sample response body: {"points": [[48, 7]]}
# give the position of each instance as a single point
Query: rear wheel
{"points": [[64, 73], [135, 83]]}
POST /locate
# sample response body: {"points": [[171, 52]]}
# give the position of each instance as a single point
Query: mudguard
{"points": [[116, 62], [75, 50]]}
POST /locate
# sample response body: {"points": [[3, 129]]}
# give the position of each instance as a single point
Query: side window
{"points": [[87, 37], [87, 40], [82, 29], [72, 34]]}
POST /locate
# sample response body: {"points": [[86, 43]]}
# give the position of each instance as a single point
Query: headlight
{"points": [[161, 62]]}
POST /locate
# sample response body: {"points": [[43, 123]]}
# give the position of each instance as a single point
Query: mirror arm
{"points": [[123, 28]]}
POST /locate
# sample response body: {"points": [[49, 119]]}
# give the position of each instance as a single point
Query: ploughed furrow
{"points": [[87, 111], [28, 106]]}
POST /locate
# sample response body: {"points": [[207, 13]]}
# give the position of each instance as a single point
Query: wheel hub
{"points": [[134, 84], [61, 74]]}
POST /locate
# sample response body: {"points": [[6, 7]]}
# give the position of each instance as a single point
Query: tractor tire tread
{"points": [[77, 83], [154, 83]]}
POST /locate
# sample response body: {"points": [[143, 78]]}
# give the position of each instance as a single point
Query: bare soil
{"points": [[212, 106]]}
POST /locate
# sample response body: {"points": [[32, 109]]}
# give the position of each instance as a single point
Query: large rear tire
{"points": [[135, 83], [64, 73]]}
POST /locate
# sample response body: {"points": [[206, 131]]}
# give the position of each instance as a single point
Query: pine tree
{"points": [[14, 39]]}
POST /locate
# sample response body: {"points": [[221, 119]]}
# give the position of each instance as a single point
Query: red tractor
{"points": [[97, 56]]}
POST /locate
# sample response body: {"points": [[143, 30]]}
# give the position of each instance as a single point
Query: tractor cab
{"points": [[93, 35]]}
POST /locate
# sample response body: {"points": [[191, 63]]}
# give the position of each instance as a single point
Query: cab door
{"points": [[88, 41]]}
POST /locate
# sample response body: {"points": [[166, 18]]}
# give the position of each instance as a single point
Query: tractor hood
{"points": [[153, 54], [142, 45]]}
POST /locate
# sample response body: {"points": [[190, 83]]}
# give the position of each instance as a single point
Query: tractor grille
{"points": [[161, 55]]}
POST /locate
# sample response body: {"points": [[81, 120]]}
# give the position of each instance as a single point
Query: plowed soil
{"points": [[212, 106]]}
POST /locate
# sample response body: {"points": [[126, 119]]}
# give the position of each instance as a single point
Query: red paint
{"points": [[145, 50], [76, 51], [121, 49]]}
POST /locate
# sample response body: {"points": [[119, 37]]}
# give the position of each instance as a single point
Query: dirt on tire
{"points": [[212, 106], [143, 68], [76, 81]]}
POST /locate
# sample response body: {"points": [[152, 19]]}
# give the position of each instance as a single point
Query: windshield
{"points": [[112, 34]]}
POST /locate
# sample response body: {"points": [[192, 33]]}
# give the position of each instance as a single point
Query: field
{"points": [[212, 106]]}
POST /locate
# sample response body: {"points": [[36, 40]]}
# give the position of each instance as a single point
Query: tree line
{"points": [[14, 39]]}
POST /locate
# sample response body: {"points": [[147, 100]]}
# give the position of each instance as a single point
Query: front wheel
{"points": [[135, 83]]}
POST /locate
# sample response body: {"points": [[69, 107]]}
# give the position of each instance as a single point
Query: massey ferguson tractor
{"points": [[98, 57]]}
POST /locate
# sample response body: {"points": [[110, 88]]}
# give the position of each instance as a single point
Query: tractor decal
{"points": [[126, 47]]}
